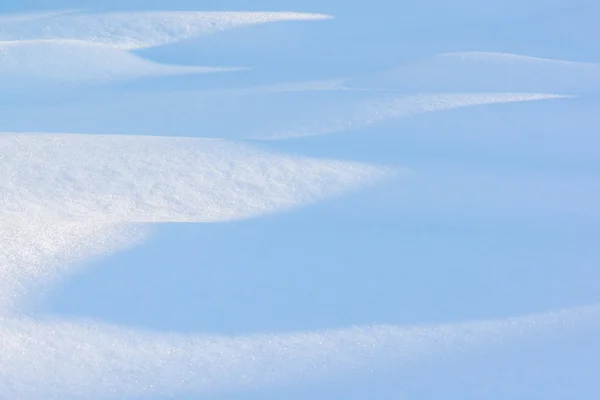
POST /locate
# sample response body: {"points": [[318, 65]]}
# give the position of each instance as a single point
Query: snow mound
{"points": [[382, 107], [48, 359], [260, 113], [43, 62], [135, 30], [65, 194]]}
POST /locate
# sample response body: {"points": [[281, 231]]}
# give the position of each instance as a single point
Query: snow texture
{"points": [[135, 30], [76, 48], [63, 193], [72, 62], [53, 359], [69, 197]]}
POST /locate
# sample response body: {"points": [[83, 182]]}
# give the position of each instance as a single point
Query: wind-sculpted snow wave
{"points": [[65, 192], [77, 48], [265, 113], [57, 62], [379, 108], [67, 198], [135, 30], [51, 359]]}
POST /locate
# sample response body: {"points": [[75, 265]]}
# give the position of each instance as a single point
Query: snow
{"points": [[29, 64], [263, 112], [62, 192], [485, 71], [52, 359], [74, 47], [452, 197], [135, 30]]}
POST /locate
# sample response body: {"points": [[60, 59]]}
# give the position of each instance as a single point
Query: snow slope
{"points": [[71, 47], [112, 161], [264, 113], [67, 192], [134, 30], [36, 63], [55, 359], [486, 71]]}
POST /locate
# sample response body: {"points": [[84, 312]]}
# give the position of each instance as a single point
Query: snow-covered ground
{"points": [[299, 200]]}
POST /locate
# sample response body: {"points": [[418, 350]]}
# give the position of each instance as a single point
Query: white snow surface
{"points": [[67, 198], [52, 359], [267, 113], [75, 48], [384, 107], [63, 193], [135, 30], [61, 61]]}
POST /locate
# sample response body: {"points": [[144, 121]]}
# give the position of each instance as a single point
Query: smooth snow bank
{"points": [[486, 71], [152, 179], [380, 108], [74, 48], [80, 360], [135, 30], [260, 113], [41, 62], [38, 249], [63, 195]]}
